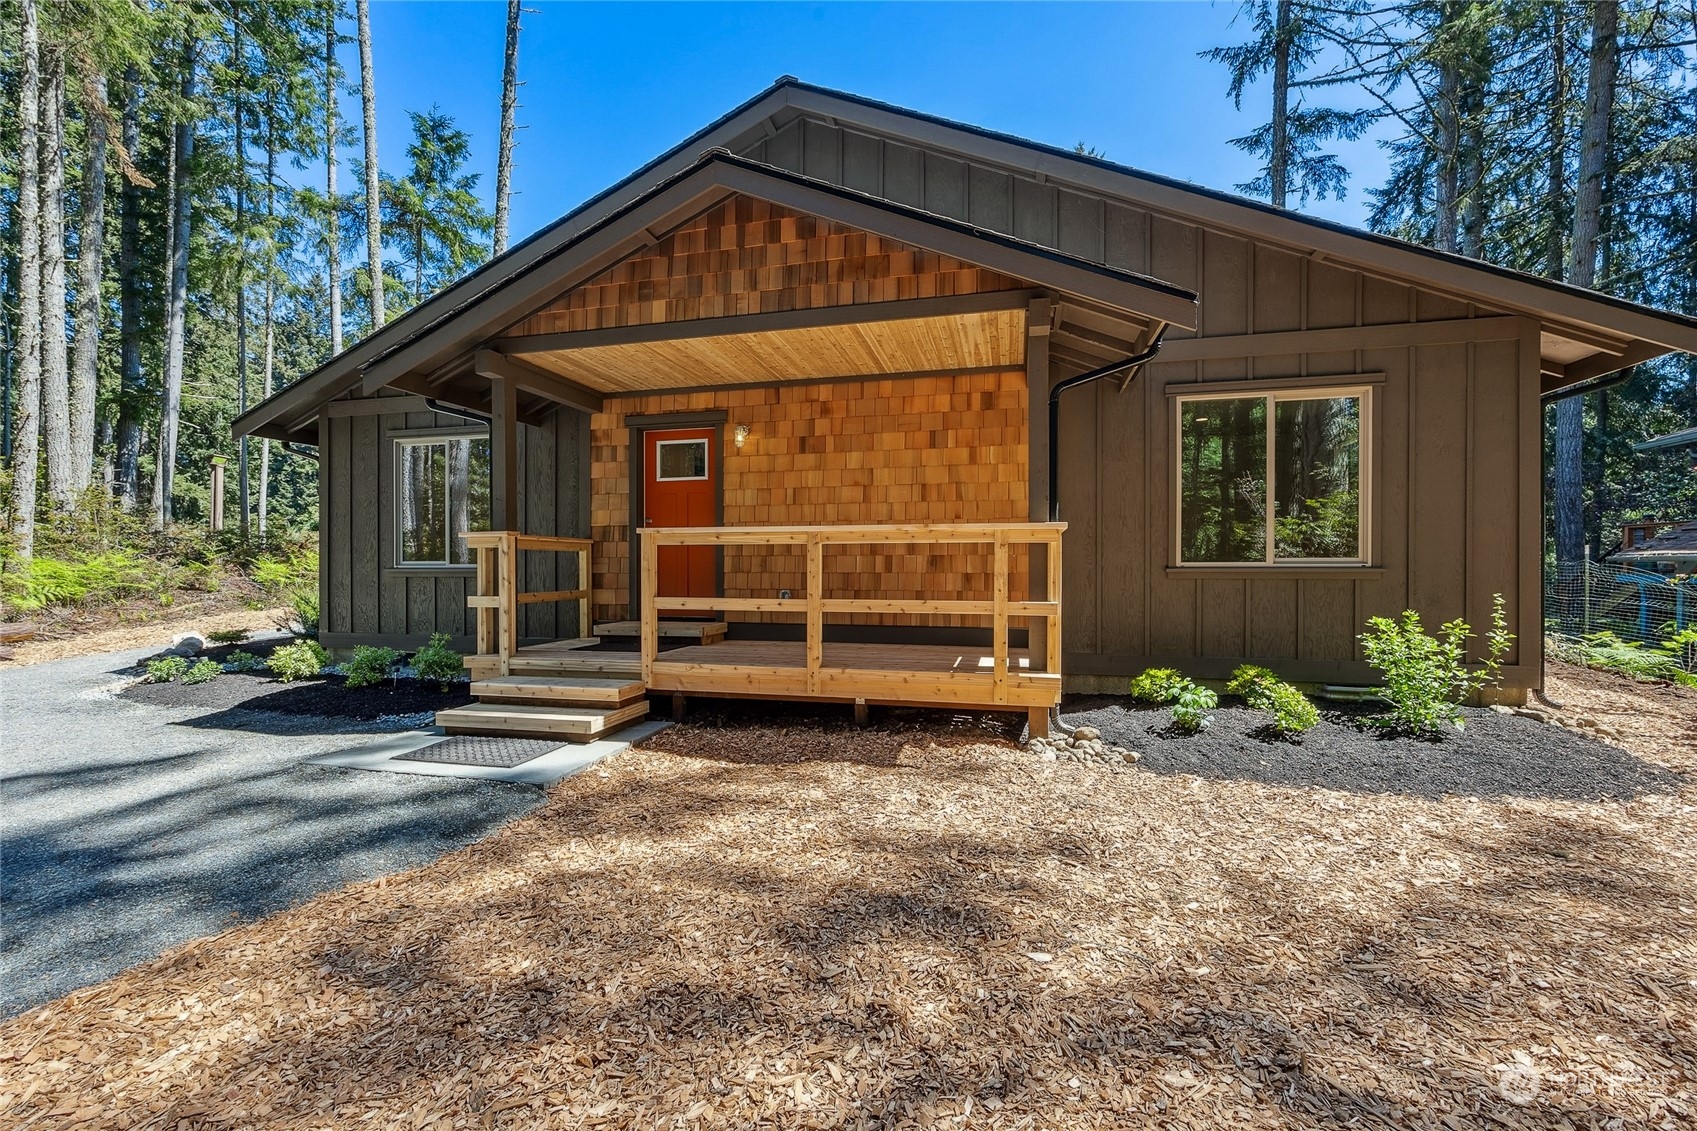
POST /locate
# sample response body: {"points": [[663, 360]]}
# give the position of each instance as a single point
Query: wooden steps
{"points": [[565, 722], [700, 631], [606, 665], [578, 690]]}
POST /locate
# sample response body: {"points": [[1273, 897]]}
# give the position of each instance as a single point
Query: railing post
{"points": [[815, 610], [487, 586], [1052, 552], [650, 622], [999, 619], [586, 583], [509, 601]]}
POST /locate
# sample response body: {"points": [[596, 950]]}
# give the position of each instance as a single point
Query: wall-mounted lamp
{"points": [[740, 435]]}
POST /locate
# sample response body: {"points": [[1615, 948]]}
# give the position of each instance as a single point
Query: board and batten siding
{"points": [[366, 598], [1456, 429]]}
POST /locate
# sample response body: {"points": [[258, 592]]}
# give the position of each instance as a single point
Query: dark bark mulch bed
{"points": [[1496, 755], [326, 696]]}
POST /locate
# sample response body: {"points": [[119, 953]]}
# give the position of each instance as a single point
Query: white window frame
{"points": [[1364, 471], [706, 443], [416, 439]]}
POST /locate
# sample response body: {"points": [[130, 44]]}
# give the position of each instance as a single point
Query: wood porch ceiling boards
{"points": [[948, 343]]}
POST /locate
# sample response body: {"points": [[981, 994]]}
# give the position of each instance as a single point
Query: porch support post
{"points": [[1037, 314], [503, 454]]}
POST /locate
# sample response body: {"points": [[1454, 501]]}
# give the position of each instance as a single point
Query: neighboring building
{"points": [[824, 311], [1672, 549]]}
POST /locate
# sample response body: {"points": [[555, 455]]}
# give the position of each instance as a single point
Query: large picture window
{"points": [[442, 483], [1272, 477]]}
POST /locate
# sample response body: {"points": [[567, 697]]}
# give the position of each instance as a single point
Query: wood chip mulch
{"points": [[897, 929]]}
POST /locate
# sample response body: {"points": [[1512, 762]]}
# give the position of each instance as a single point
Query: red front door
{"points": [[678, 489]]}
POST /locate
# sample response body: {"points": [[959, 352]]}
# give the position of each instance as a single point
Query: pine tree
{"points": [[373, 181], [26, 444], [509, 107]]}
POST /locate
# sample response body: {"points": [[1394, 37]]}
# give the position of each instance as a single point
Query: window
{"points": [[680, 459], [1272, 477], [443, 491]]}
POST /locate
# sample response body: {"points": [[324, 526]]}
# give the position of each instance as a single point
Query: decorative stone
{"points": [[1085, 734]]}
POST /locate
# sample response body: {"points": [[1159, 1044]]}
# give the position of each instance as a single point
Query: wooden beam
{"points": [[376, 406], [524, 344], [539, 382], [503, 455], [1344, 338], [461, 397], [1601, 364]]}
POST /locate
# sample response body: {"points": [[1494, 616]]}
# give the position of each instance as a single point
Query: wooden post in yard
{"points": [[215, 493]]}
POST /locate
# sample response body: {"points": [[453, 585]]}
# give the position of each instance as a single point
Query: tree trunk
{"points": [[130, 390], [270, 315], [26, 444], [177, 292], [1555, 247], [244, 501], [1595, 137], [55, 368], [91, 262], [1447, 130], [332, 227], [1278, 166], [373, 212], [509, 108]]}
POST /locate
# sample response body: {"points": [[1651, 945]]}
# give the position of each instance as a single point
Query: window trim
{"points": [[1361, 387], [415, 438]]}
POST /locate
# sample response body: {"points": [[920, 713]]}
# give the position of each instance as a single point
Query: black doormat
{"points": [[481, 750]]}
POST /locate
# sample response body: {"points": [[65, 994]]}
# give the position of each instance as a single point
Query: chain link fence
{"points": [[1581, 598]]}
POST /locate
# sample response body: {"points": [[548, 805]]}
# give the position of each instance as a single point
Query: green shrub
{"points": [[1249, 682], [1427, 677], [85, 580], [301, 660], [1262, 690], [369, 665], [229, 636], [166, 668], [297, 570], [243, 662], [1158, 685], [1291, 710], [1607, 651], [204, 671], [437, 661], [305, 602], [1191, 706]]}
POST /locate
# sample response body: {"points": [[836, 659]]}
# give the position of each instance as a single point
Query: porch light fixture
{"points": [[740, 434]]}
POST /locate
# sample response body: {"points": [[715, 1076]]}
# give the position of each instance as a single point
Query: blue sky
{"points": [[608, 86]]}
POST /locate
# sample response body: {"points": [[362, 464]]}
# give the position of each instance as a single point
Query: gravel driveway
{"points": [[128, 828]]}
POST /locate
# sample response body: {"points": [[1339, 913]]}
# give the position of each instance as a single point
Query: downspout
{"points": [[449, 410], [300, 451], [1134, 363]]}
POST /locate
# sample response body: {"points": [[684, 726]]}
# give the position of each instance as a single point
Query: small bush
{"points": [[1291, 710], [85, 580], [298, 570], [300, 660], [369, 665], [1191, 706], [1248, 683], [166, 669], [437, 661], [229, 636], [305, 602], [204, 671], [243, 662], [1158, 685], [1427, 677]]}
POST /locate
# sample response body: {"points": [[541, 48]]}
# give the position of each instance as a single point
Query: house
{"points": [[1672, 549], [838, 400]]}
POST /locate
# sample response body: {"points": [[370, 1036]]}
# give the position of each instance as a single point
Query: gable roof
{"points": [[1607, 333]]}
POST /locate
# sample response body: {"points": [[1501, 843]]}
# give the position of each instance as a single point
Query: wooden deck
{"points": [[912, 674]]}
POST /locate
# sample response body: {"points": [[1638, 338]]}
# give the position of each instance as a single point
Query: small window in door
{"points": [[680, 459]]}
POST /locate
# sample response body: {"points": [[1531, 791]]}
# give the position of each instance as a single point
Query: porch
{"points": [[578, 689]]}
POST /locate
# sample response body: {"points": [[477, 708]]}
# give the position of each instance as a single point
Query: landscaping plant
{"points": [[1191, 707], [166, 669], [437, 661], [1158, 685], [369, 665], [1609, 652], [1262, 690], [300, 660], [1427, 677], [243, 662], [204, 671]]}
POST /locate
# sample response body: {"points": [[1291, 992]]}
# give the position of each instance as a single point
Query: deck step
{"points": [[582, 691], [570, 724], [701, 631], [607, 665]]}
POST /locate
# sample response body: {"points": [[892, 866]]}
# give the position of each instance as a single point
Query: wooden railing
{"points": [[814, 605], [498, 595]]}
